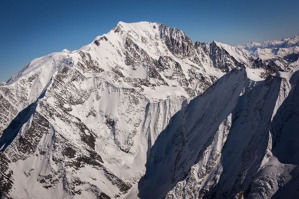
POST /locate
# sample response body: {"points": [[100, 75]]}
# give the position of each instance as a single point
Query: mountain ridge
{"points": [[105, 108]]}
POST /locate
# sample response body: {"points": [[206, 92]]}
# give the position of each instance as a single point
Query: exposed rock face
{"points": [[176, 41], [142, 111]]}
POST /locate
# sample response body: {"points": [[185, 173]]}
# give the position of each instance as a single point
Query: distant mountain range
{"points": [[144, 112]]}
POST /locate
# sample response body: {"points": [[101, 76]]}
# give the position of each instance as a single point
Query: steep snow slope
{"points": [[230, 147], [93, 122], [103, 108], [178, 147]]}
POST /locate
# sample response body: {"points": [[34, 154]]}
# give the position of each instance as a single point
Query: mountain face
{"points": [[143, 112]]}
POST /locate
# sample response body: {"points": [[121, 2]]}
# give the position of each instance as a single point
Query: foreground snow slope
{"points": [[142, 111], [229, 142]]}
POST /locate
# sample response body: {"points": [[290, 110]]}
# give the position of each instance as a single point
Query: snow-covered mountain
{"points": [[144, 112], [286, 49]]}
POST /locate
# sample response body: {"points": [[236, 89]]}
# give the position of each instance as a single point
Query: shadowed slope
{"points": [[177, 148]]}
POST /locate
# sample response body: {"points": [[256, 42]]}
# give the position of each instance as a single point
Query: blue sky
{"points": [[33, 28]]}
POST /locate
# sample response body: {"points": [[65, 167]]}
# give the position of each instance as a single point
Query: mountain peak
{"points": [[142, 25], [150, 27], [286, 48], [283, 43], [139, 100]]}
